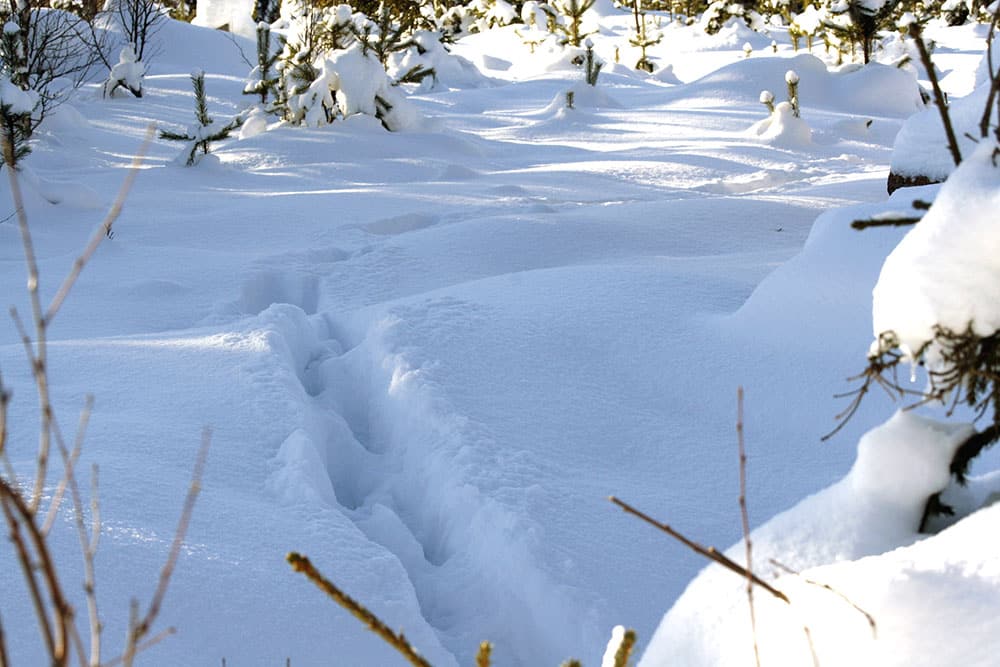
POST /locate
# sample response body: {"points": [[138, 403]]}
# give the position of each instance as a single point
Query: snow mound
{"points": [[875, 509], [874, 89], [921, 148], [783, 128], [946, 270]]}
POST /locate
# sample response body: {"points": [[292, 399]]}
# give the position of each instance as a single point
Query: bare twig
{"points": [[708, 552], [104, 231], [925, 58], [19, 513], [140, 628], [3, 647], [902, 221], [81, 430], [398, 641], [144, 645], [37, 355], [745, 520], [868, 617]]}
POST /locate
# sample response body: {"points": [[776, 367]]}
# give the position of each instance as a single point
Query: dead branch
{"points": [[710, 553], [398, 641], [925, 58]]}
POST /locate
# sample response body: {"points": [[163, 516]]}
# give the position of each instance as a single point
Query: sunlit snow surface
{"points": [[429, 356]]}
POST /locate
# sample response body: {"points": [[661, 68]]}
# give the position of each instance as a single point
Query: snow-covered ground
{"points": [[429, 356]]}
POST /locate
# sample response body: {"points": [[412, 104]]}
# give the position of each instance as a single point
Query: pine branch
{"points": [[939, 101]]}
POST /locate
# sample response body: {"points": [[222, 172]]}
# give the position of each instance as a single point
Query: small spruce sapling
{"points": [[792, 81], [591, 64], [205, 131], [767, 99], [643, 39], [571, 24], [263, 78]]}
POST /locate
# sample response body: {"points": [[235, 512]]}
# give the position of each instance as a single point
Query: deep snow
{"points": [[429, 356]]}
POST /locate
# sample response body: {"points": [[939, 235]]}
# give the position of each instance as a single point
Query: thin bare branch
{"points": [[142, 627], [81, 430], [144, 646], [708, 552], [38, 355], [398, 641], [104, 231], [4, 662], [925, 58], [745, 520], [828, 587]]}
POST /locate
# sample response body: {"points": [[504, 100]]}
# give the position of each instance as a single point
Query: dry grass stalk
{"points": [[868, 617], [745, 517], [625, 648]]}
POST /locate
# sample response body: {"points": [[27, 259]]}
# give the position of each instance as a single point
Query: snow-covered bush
{"points": [[202, 133], [127, 73], [16, 107]]}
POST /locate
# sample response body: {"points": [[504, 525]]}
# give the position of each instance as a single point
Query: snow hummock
{"points": [[946, 271], [782, 127], [875, 509]]}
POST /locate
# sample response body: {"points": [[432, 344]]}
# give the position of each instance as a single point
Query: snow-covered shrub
{"points": [[491, 14], [199, 135], [344, 83], [127, 73], [591, 64]]}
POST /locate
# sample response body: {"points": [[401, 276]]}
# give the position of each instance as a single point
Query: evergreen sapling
{"points": [[127, 74], [205, 131]]}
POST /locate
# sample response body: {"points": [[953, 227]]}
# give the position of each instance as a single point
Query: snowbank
{"points": [[872, 512]]}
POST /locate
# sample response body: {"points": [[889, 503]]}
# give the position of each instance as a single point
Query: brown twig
{"points": [[38, 354], [708, 552], [902, 221], [396, 640], [140, 628], [19, 513], [144, 646], [3, 647], [745, 520], [925, 58], [868, 617]]}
